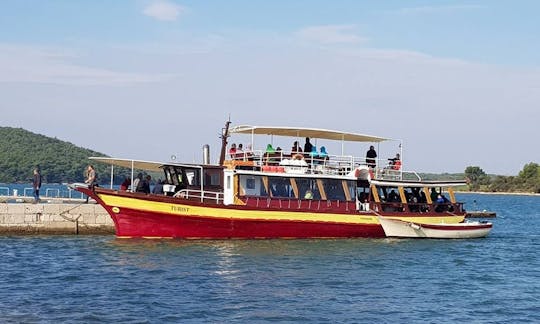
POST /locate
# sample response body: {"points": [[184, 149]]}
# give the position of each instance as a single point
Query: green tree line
{"points": [[528, 180], [21, 151]]}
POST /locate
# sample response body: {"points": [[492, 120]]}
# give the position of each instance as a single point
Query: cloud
{"points": [[331, 34], [163, 10], [26, 64], [436, 9]]}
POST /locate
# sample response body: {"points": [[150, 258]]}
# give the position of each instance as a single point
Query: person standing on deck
{"points": [[91, 178], [308, 147], [371, 156], [36, 185]]}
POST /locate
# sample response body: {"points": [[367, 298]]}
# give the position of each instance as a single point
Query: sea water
{"points": [[85, 279]]}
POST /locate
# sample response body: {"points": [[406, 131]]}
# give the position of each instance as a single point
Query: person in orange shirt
{"points": [[396, 162]]}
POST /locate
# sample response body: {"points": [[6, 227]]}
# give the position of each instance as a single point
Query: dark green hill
{"points": [[59, 161]]}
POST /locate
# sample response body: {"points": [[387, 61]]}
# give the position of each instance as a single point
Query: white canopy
{"points": [[305, 132], [129, 163]]}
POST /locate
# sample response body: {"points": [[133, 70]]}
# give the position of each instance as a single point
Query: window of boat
{"points": [[251, 185], [193, 177], [280, 187], [168, 176], [212, 177], [351, 186], [305, 184], [389, 194], [333, 189], [173, 175]]}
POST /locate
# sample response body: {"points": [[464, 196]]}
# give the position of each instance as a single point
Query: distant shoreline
{"points": [[500, 193]]}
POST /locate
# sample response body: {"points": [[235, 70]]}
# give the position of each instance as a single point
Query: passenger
{"points": [[270, 149], [422, 197], [136, 182], [440, 204], [434, 194], [308, 146], [371, 156], [412, 200], [248, 152], [295, 148], [158, 188], [125, 184], [323, 154], [308, 194], [313, 152], [144, 185], [395, 162], [239, 152], [232, 151], [270, 155], [393, 196]]}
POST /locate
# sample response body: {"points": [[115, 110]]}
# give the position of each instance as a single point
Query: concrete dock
{"points": [[53, 217]]}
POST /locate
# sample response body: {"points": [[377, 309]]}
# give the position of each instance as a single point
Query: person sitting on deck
{"points": [[270, 155], [240, 152], [434, 194], [232, 150], [396, 162], [125, 184], [295, 148], [270, 149], [393, 196], [144, 185], [313, 153], [158, 188], [323, 155], [443, 204]]}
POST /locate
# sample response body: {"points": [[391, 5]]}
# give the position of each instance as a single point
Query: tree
{"points": [[529, 177], [476, 177]]}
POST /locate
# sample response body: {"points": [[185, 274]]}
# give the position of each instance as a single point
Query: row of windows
{"points": [[298, 188]]}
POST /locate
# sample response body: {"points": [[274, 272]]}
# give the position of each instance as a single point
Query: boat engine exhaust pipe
{"points": [[206, 154]]}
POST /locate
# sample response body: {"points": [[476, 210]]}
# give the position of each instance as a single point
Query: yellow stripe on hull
{"points": [[269, 215]]}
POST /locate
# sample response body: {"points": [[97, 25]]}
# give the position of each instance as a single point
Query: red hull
{"points": [[132, 223], [234, 222]]}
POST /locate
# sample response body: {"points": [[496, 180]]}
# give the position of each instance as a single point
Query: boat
{"points": [[258, 193], [402, 228]]}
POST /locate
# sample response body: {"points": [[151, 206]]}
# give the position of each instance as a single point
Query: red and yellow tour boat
{"points": [[276, 194]]}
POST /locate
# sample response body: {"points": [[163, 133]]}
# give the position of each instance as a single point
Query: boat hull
{"points": [[134, 223], [400, 228], [151, 216]]}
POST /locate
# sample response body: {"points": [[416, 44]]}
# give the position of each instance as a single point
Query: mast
{"points": [[224, 136]]}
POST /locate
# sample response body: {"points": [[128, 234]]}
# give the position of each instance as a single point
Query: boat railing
{"points": [[203, 195], [53, 191], [303, 162], [4, 190], [329, 164]]}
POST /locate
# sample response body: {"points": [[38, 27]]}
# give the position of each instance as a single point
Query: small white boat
{"points": [[399, 228]]}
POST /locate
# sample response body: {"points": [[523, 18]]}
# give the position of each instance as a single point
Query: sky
{"points": [[458, 82]]}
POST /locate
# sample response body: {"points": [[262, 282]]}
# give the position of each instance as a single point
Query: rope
{"points": [[67, 211]]}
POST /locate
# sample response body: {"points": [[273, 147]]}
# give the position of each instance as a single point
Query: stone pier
{"points": [[54, 218]]}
